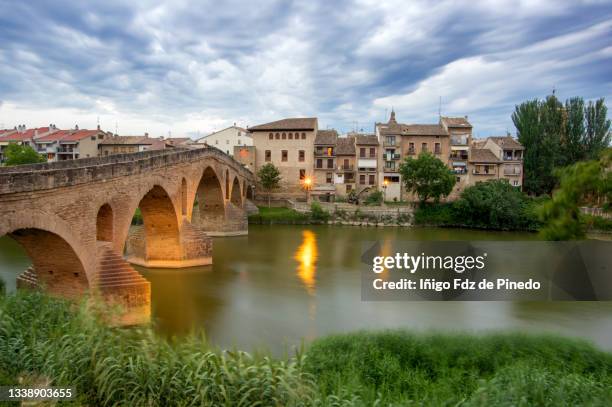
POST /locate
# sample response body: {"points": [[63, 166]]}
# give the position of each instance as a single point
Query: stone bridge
{"points": [[74, 219]]}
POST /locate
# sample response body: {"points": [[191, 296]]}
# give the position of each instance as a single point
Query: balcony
{"points": [[390, 143], [324, 153], [459, 141], [390, 166], [392, 156], [477, 172], [512, 172], [349, 167], [512, 155]]}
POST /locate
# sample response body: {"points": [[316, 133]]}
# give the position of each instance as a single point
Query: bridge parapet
{"points": [[34, 177]]}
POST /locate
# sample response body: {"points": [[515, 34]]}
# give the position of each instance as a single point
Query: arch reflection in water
{"points": [[306, 256]]}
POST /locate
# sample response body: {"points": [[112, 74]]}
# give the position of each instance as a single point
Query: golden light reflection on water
{"points": [[306, 256]]}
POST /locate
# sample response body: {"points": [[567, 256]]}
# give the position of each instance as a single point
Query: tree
{"points": [[15, 154], [494, 204], [597, 137], [556, 135], [427, 176], [269, 178], [586, 182]]}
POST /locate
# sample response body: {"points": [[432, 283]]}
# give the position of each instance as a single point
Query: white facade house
{"points": [[226, 139]]}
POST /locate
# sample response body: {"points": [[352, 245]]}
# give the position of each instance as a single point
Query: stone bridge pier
{"points": [[74, 220]]}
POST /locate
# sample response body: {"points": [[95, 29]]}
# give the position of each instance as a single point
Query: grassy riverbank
{"points": [[49, 339]]}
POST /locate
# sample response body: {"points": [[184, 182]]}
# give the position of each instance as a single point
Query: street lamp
{"points": [[307, 186], [385, 184]]}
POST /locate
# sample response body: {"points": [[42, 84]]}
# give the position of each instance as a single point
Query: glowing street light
{"points": [[307, 186], [385, 184]]}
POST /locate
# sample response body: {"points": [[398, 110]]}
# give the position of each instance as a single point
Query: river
{"points": [[282, 285]]}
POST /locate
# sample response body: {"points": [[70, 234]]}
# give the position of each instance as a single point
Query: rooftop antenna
{"points": [[440, 107], [554, 90], [117, 128]]}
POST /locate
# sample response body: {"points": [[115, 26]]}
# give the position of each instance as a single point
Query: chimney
{"points": [[76, 126], [146, 135], [466, 117], [98, 127]]}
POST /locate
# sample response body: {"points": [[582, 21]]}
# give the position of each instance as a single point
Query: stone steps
{"points": [[113, 271]]}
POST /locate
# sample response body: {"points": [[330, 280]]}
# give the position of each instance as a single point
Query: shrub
{"points": [[317, 213], [375, 198], [497, 205]]}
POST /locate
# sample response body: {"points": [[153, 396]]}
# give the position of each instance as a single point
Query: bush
{"points": [[492, 204], [400, 368], [137, 218], [317, 213], [375, 198]]}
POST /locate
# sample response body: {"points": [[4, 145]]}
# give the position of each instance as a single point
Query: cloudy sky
{"points": [[188, 67]]}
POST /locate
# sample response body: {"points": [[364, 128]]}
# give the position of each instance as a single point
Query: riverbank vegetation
{"points": [[319, 215], [54, 341], [494, 205]]}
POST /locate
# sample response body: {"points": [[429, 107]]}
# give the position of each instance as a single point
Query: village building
{"points": [[289, 145], [228, 138]]}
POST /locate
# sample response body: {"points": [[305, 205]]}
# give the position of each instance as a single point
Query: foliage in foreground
{"points": [[111, 366], [399, 368], [15, 154]]}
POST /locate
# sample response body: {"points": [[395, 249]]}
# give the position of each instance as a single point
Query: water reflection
{"points": [[306, 256]]}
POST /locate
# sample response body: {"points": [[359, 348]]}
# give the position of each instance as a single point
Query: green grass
{"points": [[278, 215], [400, 368], [44, 339]]}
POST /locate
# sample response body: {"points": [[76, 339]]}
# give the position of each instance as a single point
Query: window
{"points": [[423, 147], [290, 136], [515, 183], [390, 140], [362, 179], [410, 148], [330, 163], [372, 152], [437, 148], [239, 142], [226, 141], [268, 155], [239, 134], [303, 136], [301, 154], [270, 136], [319, 163], [362, 152], [458, 179], [372, 179], [93, 138], [346, 164], [284, 136], [216, 141], [277, 136], [284, 155], [302, 174], [328, 177]]}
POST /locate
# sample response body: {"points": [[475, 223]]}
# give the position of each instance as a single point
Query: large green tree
{"points": [[269, 178], [427, 176], [584, 183], [16, 154], [557, 135]]}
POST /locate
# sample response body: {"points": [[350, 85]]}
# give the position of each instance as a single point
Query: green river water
{"points": [[282, 285]]}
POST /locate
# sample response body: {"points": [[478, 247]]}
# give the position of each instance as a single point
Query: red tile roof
{"points": [[300, 123], [55, 136], [77, 135]]}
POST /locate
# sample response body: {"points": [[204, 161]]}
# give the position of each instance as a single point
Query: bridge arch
{"points": [[250, 192], [211, 205], [159, 237], [236, 196], [56, 266], [105, 223]]}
